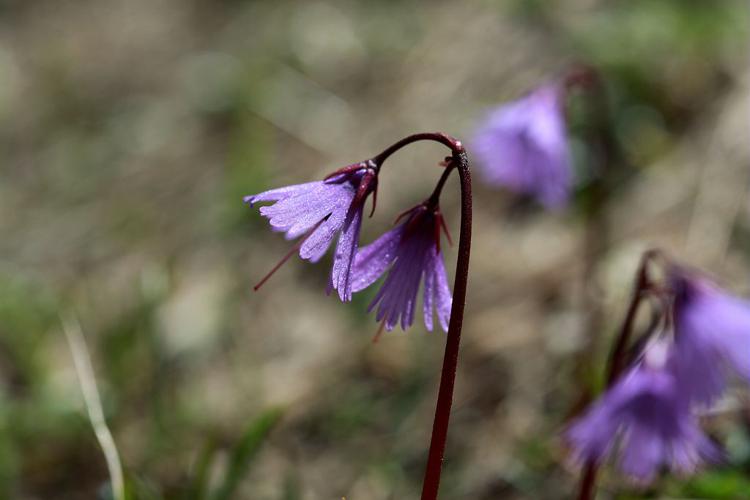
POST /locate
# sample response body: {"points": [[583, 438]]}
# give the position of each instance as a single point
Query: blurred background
{"points": [[132, 129]]}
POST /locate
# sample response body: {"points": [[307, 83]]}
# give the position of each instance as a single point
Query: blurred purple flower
{"points": [[523, 146], [411, 251], [322, 210], [712, 336], [646, 418]]}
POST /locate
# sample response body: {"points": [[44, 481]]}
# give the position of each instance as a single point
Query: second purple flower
{"points": [[410, 252]]}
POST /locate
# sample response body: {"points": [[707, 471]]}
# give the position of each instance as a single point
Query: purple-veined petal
{"points": [[298, 214], [316, 245], [411, 252], [397, 295], [443, 296], [427, 301], [346, 249], [279, 193], [372, 260]]}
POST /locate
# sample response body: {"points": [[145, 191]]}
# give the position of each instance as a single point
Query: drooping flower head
{"points": [[712, 336], [409, 253], [522, 146], [645, 419], [320, 211]]}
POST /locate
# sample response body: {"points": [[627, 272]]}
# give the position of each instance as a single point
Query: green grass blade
{"points": [[245, 451], [198, 487]]}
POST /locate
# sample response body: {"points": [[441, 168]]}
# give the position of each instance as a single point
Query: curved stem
{"points": [[450, 360], [453, 144], [435, 196], [588, 480], [458, 161], [618, 357]]}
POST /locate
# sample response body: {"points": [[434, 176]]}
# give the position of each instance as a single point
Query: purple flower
{"points": [[522, 146], [409, 252], [645, 417], [322, 210], [712, 336]]}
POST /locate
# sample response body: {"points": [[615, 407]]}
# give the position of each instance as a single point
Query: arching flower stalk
{"points": [[410, 254]]}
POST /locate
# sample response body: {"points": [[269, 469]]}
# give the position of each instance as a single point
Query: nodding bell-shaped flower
{"points": [[646, 419], [711, 336], [320, 211], [408, 253], [523, 146]]}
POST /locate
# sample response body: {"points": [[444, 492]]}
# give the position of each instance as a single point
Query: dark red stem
{"points": [[618, 358], [588, 481], [450, 359], [435, 196], [458, 161], [453, 144]]}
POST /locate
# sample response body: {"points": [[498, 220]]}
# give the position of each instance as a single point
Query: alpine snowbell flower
{"points": [[320, 211], [523, 146], [410, 252], [645, 418], [712, 336]]}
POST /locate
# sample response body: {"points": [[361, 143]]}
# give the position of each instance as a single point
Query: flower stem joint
{"points": [[367, 174]]}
